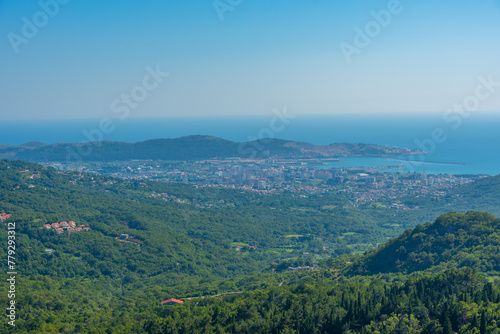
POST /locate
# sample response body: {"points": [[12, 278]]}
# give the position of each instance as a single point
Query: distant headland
{"points": [[197, 147]]}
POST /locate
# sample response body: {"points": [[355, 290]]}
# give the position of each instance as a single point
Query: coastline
{"points": [[429, 162]]}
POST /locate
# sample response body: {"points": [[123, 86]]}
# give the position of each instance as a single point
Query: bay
{"points": [[471, 145]]}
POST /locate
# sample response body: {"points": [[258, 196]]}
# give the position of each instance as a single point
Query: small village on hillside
{"points": [[62, 226]]}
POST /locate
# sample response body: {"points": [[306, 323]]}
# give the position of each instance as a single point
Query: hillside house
{"points": [[4, 216], [172, 301]]}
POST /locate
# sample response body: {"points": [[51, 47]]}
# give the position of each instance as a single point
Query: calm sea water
{"points": [[475, 143]]}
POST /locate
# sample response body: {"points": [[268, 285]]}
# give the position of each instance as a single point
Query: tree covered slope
{"points": [[91, 282], [209, 233], [452, 240]]}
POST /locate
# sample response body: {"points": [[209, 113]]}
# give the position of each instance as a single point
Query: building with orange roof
{"points": [[172, 301], [4, 216]]}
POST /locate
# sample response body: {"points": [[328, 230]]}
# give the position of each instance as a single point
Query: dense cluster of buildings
{"points": [[65, 226], [390, 187], [302, 176]]}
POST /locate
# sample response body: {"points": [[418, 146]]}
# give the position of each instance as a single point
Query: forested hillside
{"points": [[183, 241], [454, 301], [453, 240]]}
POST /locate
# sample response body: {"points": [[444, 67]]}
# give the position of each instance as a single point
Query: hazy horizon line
{"points": [[240, 116]]}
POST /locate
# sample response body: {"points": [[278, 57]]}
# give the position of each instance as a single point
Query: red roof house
{"points": [[4, 216], [172, 301]]}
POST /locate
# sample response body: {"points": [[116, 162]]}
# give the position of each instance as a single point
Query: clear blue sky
{"points": [[263, 55]]}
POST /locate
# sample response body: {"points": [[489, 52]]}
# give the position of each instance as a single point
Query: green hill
{"points": [[184, 244], [482, 195], [179, 230], [185, 148], [192, 147], [453, 240]]}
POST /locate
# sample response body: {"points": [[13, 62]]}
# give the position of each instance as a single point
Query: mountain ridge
{"points": [[196, 147]]}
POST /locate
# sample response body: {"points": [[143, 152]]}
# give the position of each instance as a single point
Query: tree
{"points": [[482, 327], [447, 329]]}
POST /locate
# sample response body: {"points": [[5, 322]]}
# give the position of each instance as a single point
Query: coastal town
{"points": [[303, 177]]}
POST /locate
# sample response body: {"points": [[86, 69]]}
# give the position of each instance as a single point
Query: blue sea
{"points": [[462, 145]]}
